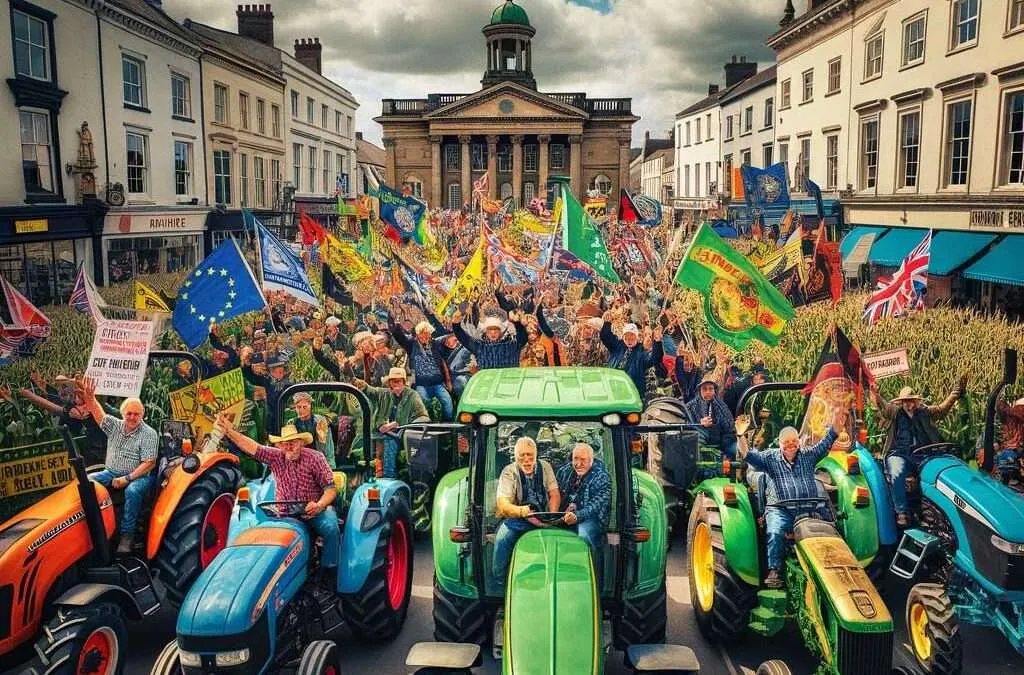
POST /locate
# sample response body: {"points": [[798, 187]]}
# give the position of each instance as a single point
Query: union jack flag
{"points": [[905, 290], [79, 298]]}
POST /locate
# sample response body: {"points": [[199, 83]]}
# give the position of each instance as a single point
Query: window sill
{"points": [[784, 108], [144, 201], [906, 190], [967, 46], [746, 133], [908, 66], [43, 198], [186, 201], [871, 79], [1014, 30], [810, 100], [1009, 187], [764, 129], [833, 93], [137, 108], [179, 118], [954, 189]]}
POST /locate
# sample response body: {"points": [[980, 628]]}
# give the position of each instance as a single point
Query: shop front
{"points": [[138, 243], [222, 225], [41, 247], [324, 210]]}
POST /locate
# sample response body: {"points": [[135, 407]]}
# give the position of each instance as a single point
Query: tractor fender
{"points": [[362, 530], [739, 528], [452, 570], [651, 554], [859, 524], [171, 494], [881, 498], [82, 595]]}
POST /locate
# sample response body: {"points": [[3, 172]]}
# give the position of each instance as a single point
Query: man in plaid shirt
{"points": [[301, 475], [586, 491], [790, 473]]}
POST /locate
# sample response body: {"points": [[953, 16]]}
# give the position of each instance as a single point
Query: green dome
{"points": [[510, 12]]}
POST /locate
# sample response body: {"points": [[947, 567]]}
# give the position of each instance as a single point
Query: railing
{"points": [[609, 106], [403, 106], [576, 100], [435, 101]]}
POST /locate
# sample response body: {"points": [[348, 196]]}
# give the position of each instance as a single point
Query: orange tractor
{"points": [[64, 596]]}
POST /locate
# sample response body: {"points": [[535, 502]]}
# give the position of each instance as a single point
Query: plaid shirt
{"points": [[126, 450], [303, 480], [591, 494], [791, 481]]}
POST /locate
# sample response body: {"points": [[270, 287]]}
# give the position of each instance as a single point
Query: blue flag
{"points": [[282, 271], [766, 188], [814, 191], [219, 288], [648, 211], [403, 213]]}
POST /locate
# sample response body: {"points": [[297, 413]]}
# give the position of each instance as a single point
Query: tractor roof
{"points": [[550, 392]]}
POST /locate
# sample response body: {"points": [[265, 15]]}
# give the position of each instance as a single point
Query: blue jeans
{"points": [[441, 394], [778, 522], [459, 383], [326, 525], [390, 458], [504, 543], [592, 532], [134, 494], [897, 468]]}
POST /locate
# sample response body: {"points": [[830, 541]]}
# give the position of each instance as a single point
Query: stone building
{"points": [[508, 130]]}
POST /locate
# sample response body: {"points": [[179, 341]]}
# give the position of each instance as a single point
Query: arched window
{"points": [[602, 184], [529, 192], [506, 190], [415, 185], [455, 196]]}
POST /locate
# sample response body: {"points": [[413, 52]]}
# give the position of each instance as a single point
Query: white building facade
{"points": [[748, 121], [698, 165]]}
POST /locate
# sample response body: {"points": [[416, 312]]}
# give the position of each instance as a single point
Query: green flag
{"points": [[739, 303], [582, 238]]}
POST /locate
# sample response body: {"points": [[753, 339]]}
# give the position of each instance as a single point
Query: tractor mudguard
{"points": [[651, 554], [357, 545], [83, 595], [739, 528], [859, 524], [881, 498], [975, 495], [552, 615], [41, 543], [166, 503], [247, 513], [263, 569], [452, 570]]}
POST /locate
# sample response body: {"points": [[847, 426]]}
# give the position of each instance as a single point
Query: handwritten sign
{"points": [[889, 363], [32, 474], [120, 352]]}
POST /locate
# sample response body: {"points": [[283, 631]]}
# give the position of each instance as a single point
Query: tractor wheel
{"points": [[642, 620], [773, 667], [320, 657], [458, 619], [934, 630], [378, 610], [82, 641], [721, 600], [169, 661], [198, 530]]}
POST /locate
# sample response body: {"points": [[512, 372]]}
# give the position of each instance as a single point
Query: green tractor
{"points": [[556, 616]]}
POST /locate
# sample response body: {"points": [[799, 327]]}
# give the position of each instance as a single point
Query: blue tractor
{"points": [[262, 605], [966, 554]]}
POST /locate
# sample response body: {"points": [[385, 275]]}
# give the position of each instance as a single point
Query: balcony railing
{"points": [[609, 106], [404, 106], [596, 107]]}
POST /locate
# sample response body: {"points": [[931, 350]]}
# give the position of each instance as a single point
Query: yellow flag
{"points": [[343, 259], [148, 300], [471, 277]]}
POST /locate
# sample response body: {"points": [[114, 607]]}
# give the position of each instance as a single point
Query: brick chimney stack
{"points": [[310, 54], [737, 71], [256, 22], [712, 89]]}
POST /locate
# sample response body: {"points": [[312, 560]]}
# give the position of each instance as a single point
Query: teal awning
{"points": [[950, 250], [853, 236], [891, 249], [1001, 265]]}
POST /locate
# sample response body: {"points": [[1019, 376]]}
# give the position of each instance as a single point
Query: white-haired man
{"points": [[586, 492], [428, 365], [131, 455]]}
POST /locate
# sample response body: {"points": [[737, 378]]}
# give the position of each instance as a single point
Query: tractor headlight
{"points": [[487, 419], [190, 659], [1007, 546], [234, 658], [612, 420]]}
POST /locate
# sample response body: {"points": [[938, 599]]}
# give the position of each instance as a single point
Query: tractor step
{"points": [[498, 638], [915, 546], [662, 659], [774, 601], [760, 629]]}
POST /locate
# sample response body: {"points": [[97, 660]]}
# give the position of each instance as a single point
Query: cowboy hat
{"points": [[708, 380], [492, 322], [333, 321], [907, 394], [396, 374], [290, 433]]}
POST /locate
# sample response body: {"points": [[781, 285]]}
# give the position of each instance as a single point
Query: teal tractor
{"points": [[559, 614]]}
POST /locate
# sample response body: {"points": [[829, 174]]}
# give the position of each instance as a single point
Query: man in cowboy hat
{"points": [[495, 349], [393, 406], [427, 362], [911, 425], [717, 426], [301, 474], [628, 354]]}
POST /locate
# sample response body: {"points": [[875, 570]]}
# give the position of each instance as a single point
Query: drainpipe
{"points": [[97, 239], [207, 236]]}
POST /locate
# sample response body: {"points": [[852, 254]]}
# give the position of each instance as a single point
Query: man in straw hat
{"points": [[393, 406], [911, 425], [301, 474]]}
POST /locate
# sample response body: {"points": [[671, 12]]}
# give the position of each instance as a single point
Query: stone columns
{"points": [[435, 171], [492, 166], [467, 174], [542, 163], [517, 169], [390, 171], [576, 164]]}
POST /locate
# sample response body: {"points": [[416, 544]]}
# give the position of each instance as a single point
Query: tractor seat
{"points": [[809, 528]]}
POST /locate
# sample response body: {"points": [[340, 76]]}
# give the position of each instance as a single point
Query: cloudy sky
{"points": [[662, 53]]}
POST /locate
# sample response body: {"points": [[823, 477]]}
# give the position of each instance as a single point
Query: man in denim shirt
{"points": [[586, 491]]}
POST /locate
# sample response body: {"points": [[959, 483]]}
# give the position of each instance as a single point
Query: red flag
{"points": [[833, 259], [312, 231], [627, 209]]}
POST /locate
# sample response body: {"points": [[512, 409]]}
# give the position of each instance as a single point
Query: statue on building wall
{"points": [[86, 164]]}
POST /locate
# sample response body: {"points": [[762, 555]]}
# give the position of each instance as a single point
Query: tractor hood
{"points": [[260, 571], [552, 616], [977, 495]]}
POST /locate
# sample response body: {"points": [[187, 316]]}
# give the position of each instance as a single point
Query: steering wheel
{"points": [[283, 509], [548, 517], [935, 450]]}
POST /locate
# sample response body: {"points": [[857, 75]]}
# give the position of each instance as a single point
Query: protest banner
{"points": [[120, 353], [30, 472], [221, 393], [889, 363]]}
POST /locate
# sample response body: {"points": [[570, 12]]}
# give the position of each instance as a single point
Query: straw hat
{"points": [[361, 337], [333, 321], [396, 374], [907, 394], [290, 433], [492, 322]]}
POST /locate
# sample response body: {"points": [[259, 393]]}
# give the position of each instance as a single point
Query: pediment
{"points": [[508, 101]]}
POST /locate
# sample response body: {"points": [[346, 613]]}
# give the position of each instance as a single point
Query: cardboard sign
{"points": [[120, 353], [32, 474], [221, 393], [889, 363]]}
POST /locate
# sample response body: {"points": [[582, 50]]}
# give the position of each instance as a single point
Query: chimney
{"points": [[256, 22], [712, 89], [787, 14], [310, 54], [737, 71], [359, 135]]}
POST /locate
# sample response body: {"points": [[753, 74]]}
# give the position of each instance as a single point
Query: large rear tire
{"points": [[721, 600], [934, 630], [378, 610], [458, 619], [320, 657], [169, 661], [642, 621], [82, 640]]}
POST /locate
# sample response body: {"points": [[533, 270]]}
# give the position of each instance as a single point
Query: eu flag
{"points": [[221, 287]]}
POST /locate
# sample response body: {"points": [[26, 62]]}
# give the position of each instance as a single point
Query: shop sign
{"points": [[140, 223], [31, 226], [996, 219], [888, 363], [317, 208]]}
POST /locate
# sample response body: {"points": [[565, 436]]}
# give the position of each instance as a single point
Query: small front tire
{"points": [[320, 657], [169, 661], [773, 667]]}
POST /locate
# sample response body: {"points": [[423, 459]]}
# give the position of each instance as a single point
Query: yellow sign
{"points": [[32, 474], [30, 226]]}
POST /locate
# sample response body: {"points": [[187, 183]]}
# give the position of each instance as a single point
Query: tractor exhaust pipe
{"points": [[87, 495], [1009, 377]]}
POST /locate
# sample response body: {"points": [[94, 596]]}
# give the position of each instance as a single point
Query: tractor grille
{"points": [[257, 639], [1002, 569], [6, 607], [864, 653]]}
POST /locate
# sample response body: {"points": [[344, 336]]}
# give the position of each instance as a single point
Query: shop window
{"points": [[36, 151], [129, 257], [455, 196], [44, 272], [222, 176], [138, 163], [182, 169], [133, 75], [31, 46]]}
